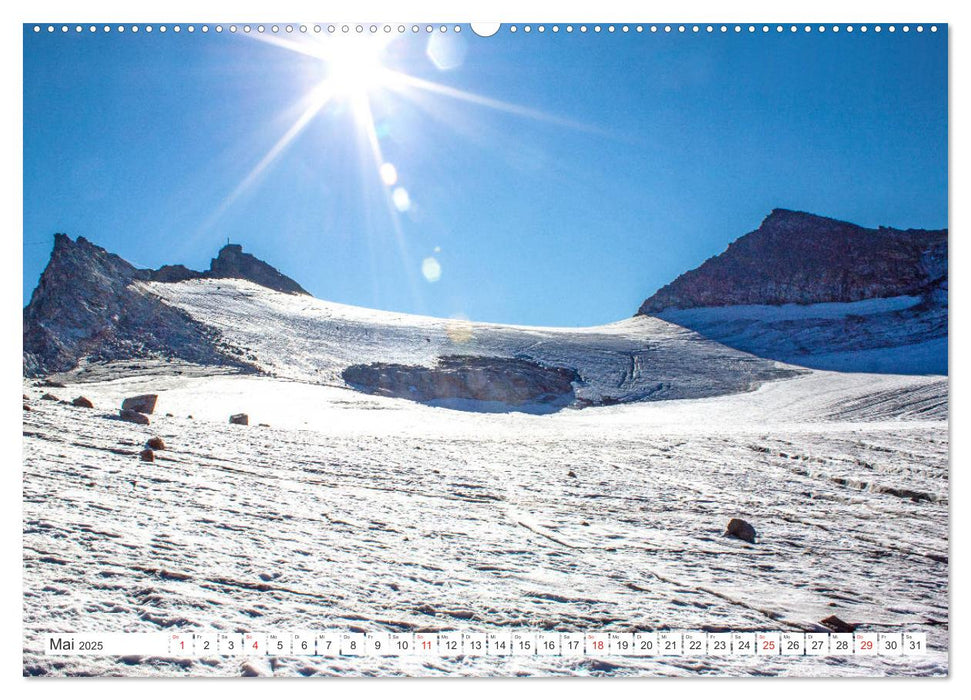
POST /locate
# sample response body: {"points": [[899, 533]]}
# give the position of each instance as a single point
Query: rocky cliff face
{"points": [[88, 304], [821, 293], [795, 257]]}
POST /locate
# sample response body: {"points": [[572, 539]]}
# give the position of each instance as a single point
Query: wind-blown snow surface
{"points": [[354, 512], [902, 334]]}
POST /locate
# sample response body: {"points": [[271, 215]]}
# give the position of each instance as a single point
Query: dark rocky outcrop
{"points": [[239, 419], [230, 263], [83, 402], [509, 382], [147, 455], [172, 273], [795, 257], [740, 529], [233, 263], [86, 306], [143, 403]]}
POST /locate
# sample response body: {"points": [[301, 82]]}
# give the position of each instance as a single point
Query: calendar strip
{"points": [[505, 643]]}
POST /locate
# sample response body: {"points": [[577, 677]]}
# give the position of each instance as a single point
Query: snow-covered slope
{"points": [[354, 512], [902, 335], [309, 340], [335, 509]]}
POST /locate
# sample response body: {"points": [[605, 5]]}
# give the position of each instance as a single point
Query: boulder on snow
{"points": [[239, 419], [144, 403], [49, 397], [131, 416], [146, 455], [83, 402], [156, 443], [838, 625], [27, 408], [740, 529]]}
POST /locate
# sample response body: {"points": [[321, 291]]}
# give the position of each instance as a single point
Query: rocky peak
{"points": [[233, 263], [797, 257], [86, 306]]}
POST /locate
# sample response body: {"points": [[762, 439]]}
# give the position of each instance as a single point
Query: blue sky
{"points": [[554, 179]]}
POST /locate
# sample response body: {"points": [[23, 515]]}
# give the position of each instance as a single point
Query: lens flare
{"points": [[389, 174], [401, 199], [459, 330], [431, 269]]}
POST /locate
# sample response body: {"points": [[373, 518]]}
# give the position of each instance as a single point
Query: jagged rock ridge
{"points": [[230, 263], [795, 257], [88, 305]]}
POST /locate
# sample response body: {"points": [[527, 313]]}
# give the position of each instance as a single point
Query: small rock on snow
{"points": [[838, 625], [740, 529], [156, 443]]}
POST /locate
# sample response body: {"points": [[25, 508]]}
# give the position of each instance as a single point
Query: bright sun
{"points": [[354, 65]]}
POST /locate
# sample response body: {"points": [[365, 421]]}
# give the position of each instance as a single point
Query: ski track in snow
{"points": [[361, 513]]}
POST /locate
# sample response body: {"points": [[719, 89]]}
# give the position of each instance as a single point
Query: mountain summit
{"points": [[233, 263], [800, 258]]}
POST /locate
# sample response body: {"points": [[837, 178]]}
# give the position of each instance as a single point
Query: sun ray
{"points": [[314, 48], [363, 106], [317, 99], [353, 70], [402, 80]]}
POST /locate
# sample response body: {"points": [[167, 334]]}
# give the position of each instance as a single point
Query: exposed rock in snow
{"points": [[82, 402], [144, 403], [838, 625], [127, 414], [740, 529], [507, 383], [239, 419], [146, 455], [156, 443]]}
